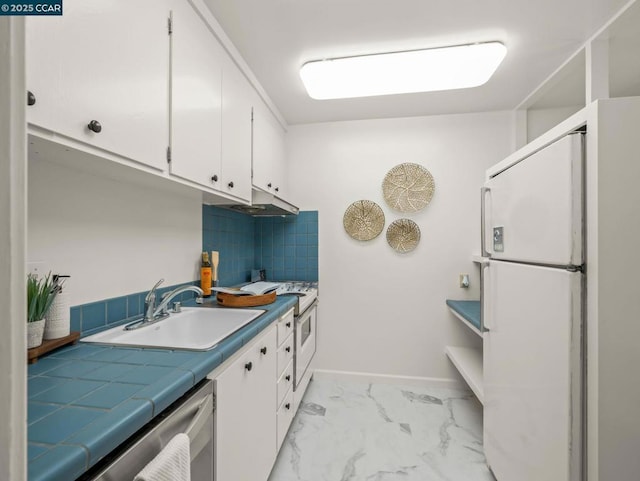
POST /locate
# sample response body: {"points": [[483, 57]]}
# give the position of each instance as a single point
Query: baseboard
{"points": [[369, 377]]}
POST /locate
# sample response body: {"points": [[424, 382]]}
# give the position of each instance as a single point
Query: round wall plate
{"points": [[363, 220], [403, 235], [408, 187]]}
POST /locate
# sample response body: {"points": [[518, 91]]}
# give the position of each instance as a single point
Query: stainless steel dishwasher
{"points": [[192, 414]]}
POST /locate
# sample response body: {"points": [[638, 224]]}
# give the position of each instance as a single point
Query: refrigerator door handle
{"points": [[484, 264], [483, 220]]}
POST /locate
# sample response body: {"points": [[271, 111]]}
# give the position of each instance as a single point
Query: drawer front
{"points": [[285, 416], [285, 382], [285, 327], [285, 354]]}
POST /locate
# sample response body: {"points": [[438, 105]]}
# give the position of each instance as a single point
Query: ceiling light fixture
{"points": [[427, 70]]}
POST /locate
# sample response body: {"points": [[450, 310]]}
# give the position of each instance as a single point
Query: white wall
{"points": [[112, 237], [380, 311]]}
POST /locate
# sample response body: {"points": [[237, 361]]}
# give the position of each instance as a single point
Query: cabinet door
{"points": [[268, 150], [196, 98], [245, 426], [104, 61], [236, 132]]}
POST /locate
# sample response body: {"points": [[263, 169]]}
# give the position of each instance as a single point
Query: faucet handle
{"points": [[152, 292]]}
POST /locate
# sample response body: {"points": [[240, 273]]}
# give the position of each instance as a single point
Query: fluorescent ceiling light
{"points": [[447, 68]]}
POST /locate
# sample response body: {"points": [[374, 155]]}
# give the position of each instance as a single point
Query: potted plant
{"points": [[40, 295]]}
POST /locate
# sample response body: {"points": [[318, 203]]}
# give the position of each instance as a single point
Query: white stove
{"points": [[307, 293]]}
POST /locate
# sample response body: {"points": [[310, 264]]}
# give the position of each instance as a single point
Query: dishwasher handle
{"points": [[200, 421]]}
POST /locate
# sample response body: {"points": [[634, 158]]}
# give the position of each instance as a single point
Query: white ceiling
{"points": [[275, 37]]}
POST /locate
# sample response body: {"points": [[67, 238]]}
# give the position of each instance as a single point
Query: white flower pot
{"points": [[35, 331], [58, 323]]}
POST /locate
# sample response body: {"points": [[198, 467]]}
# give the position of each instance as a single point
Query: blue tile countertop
{"points": [[469, 310], [85, 400]]}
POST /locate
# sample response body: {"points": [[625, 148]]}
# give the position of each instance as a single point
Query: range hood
{"points": [[264, 204]]}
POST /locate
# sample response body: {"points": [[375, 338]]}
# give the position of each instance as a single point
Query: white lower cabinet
{"points": [[284, 378], [254, 404], [245, 425], [285, 416]]}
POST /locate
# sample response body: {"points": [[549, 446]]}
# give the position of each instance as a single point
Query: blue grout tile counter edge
{"points": [[85, 400]]}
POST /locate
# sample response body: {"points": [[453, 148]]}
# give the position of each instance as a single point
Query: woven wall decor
{"points": [[408, 187], [403, 235], [363, 220]]}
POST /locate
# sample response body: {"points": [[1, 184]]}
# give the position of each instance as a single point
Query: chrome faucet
{"points": [[154, 314], [161, 310], [150, 303]]}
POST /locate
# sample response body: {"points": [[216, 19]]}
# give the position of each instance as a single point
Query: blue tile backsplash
{"points": [[286, 247], [232, 235]]}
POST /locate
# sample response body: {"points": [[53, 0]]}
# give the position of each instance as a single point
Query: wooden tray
{"points": [[229, 300], [50, 345]]}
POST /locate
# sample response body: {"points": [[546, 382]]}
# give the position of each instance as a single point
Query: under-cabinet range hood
{"points": [[264, 204]]}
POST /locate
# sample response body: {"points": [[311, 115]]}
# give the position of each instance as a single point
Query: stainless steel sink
{"points": [[193, 329]]}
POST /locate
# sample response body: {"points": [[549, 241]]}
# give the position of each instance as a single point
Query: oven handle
{"points": [[307, 311]]}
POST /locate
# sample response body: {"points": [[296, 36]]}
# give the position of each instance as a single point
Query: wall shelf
{"points": [[468, 312], [468, 362]]}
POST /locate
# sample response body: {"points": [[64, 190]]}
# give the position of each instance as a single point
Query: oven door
{"points": [[305, 342]]}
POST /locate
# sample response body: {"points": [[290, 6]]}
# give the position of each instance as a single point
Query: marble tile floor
{"points": [[346, 431]]}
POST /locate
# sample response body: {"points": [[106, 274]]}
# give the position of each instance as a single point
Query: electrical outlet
{"points": [[39, 268], [464, 281]]}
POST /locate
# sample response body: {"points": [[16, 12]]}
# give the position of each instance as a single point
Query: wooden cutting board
{"points": [[229, 300]]}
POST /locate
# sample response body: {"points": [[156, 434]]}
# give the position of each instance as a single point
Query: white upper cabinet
{"points": [[236, 132], [268, 151], [196, 98], [99, 76]]}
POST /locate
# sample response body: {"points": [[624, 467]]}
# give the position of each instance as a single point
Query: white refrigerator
{"points": [[532, 228]]}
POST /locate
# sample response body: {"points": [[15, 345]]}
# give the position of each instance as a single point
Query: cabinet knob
{"points": [[288, 348], [269, 185], [31, 99], [214, 178], [248, 366], [288, 377], [288, 324], [288, 405], [263, 350], [95, 126], [230, 185], [277, 189]]}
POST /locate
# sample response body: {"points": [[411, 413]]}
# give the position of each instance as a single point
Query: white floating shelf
{"points": [[468, 362]]}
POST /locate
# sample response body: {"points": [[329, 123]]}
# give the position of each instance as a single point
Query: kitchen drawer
{"points": [[285, 416], [285, 354], [285, 382], [285, 327]]}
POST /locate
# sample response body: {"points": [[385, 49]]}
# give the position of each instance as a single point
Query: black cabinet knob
{"points": [[288, 324], [95, 126], [269, 185], [214, 178], [288, 377], [288, 348], [230, 185], [31, 99], [248, 366], [288, 405], [263, 350], [277, 189]]}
